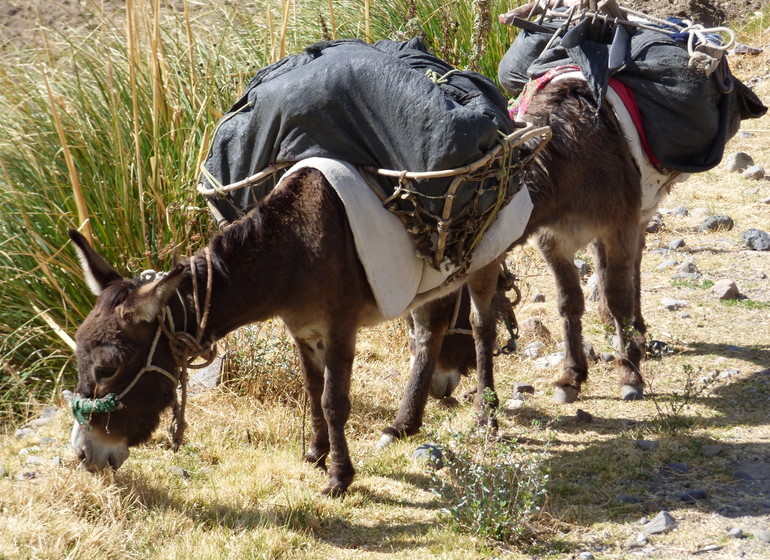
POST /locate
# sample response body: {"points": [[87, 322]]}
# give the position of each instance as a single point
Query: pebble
{"points": [[688, 267], [582, 267], [660, 524], [583, 416], [606, 357], [21, 433], [763, 536], [430, 454], [586, 556], [716, 223], [627, 499], [693, 495], [712, 450], [725, 288], [737, 162], [513, 404], [755, 173], [524, 388], [638, 541], [533, 349], [677, 244], [538, 298], [646, 445], [735, 533], [655, 224], [28, 475], [672, 304], [551, 360], [667, 264], [680, 468], [751, 192], [756, 239], [180, 472], [680, 211], [536, 327]]}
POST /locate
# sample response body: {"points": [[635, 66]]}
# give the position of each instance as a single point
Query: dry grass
{"points": [[238, 488]]}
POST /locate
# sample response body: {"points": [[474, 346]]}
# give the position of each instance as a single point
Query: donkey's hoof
{"points": [[565, 395], [385, 441], [631, 393]]}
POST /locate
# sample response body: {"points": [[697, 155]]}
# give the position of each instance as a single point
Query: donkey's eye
{"points": [[102, 373]]}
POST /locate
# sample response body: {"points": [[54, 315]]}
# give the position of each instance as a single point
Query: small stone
{"points": [[524, 388], [536, 327], [646, 445], [736, 533], [737, 162], [35, 460], [688, 267], [693, 495], [677, 244], [763, 535], [660, 524], [680, 468], [67, 396], [21, 433], [207, 378], [430, 454], [654, 225], [606, 357], [712, 450], [585, 556], [754, 173], [583, 416], [742, 475], [627, 499], [672, 304], [667, 264], [533, 349], [637, 541], [756, 239], [582, 267], [751, 192], [716, 223], [685, 315], [28, 475], [725, 289], [551, 360], [680, 211], [180, 472], [765, 200], [513, 404], [538, 298]]}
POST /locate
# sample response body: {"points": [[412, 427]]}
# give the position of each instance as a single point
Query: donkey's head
{"points": [[126, 371]]}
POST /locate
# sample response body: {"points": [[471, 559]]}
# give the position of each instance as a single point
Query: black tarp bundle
{"points": [[365, 104], [687, 116]]}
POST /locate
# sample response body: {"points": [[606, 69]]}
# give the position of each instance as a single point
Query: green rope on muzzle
{"points": [[83, 408]]}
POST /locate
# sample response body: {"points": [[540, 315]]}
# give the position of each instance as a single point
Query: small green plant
{"points": [[493, 488], [746, 303], [670, 416], [692, 284]]}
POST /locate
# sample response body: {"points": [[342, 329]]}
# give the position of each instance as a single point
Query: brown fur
{"points": [[293, 257]]}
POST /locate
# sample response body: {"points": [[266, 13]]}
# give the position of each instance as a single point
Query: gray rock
{"points": [[736, 533], [207, 378], [725, 289], [27, 475], [691, 277], [751, 192], [582, 267], [551, 360], [606, 357], [537, 298], [638, 541], [712, 450], [627, 499], [737, 162], [585, 556], [180, 472], [524, 388], [755, 173], [533, 349], [513, 404], [756, 239], [693, 495], [21, 433], [667, 264], [672, 304], [677, 244], [583, 416], [35, 460], [660, 524], [678, 467], [536, 327], [655, 224], [680, 211], [688, 267], [430, 454], [716, 223], [763, 536], [67, 396], [765, 200], [646, 445]]}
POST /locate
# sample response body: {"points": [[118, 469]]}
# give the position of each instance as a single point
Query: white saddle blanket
{"points": [[395, 273]]}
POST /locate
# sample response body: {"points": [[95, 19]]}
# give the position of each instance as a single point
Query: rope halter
{"points": [[185, 349]]}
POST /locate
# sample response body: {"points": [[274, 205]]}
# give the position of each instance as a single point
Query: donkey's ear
{"points": [[97, 272], [146, 302]]}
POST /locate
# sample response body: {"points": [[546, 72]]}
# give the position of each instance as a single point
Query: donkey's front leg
{"points": [[312, 359], [430, 323], [335, 402], [482, 287]]}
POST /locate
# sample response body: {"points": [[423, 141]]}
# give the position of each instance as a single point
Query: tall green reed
{"points": [[104, 129]]}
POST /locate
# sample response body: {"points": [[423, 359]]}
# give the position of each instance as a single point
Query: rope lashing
{"points": [[439, 79], [83, 408]]}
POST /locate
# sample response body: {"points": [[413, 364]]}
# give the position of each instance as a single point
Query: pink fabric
{"points": [[632, 107]]}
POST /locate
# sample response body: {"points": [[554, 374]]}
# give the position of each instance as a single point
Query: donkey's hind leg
{"points": [[311, 357], [429, 323], [571, 305], [620, 293], [482, 287]]}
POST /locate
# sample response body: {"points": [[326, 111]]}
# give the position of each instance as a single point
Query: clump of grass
{"points": [[670, 412], [493, 488], [746, 303]]}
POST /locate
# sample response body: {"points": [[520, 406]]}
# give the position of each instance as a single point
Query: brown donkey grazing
{"points": [[292, 257]]}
